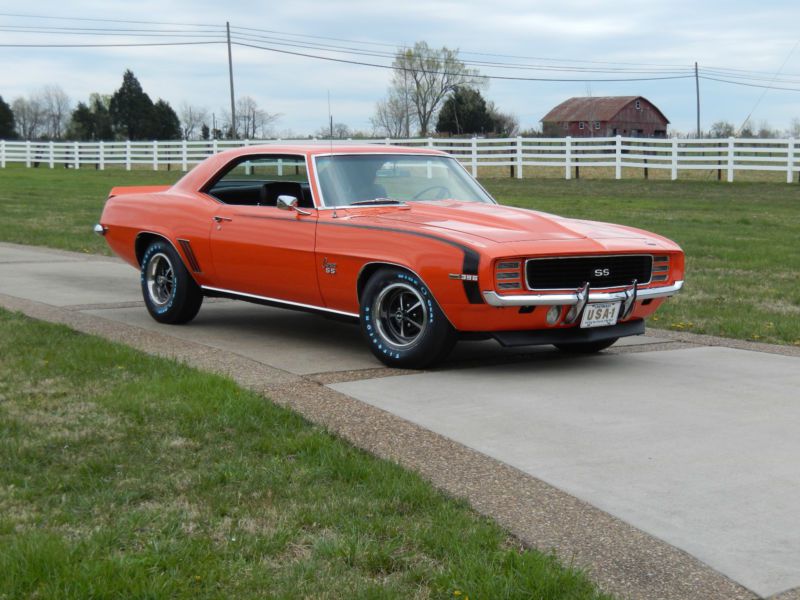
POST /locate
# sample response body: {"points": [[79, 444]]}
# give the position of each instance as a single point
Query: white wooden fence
{"points": [[570, 154]]}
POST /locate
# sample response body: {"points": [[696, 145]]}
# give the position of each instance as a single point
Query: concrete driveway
{"points": [[695, 445]]}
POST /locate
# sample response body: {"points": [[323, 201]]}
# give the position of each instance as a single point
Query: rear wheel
{"points": [[170, 293], [402, 322], [586, 347]]}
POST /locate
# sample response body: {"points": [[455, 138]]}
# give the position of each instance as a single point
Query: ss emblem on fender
{"points": [[602, 272]]}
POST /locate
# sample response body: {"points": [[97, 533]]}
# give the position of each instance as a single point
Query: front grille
{"points": [[600, 271]]}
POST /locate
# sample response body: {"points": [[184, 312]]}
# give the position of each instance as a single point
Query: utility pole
{"points": [[230, 76], [697, 90]]}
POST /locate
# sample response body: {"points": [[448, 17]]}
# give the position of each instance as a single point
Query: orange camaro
{"points": [[403, 240]]}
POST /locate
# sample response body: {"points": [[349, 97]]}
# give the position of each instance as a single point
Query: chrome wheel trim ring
{"points": [[400, 315], [160, 279]]}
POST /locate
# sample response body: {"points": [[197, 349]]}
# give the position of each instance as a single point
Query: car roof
{"points": [[196, 178]]}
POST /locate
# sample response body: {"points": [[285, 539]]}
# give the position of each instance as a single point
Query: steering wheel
{"points": [[439, 188]]}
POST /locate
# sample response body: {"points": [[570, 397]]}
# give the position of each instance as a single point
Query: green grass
{"points": [[741, 239], [59, 207], [128, 476]]}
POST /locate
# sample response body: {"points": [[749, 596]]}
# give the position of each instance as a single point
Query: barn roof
{"points": [[601, 108]]}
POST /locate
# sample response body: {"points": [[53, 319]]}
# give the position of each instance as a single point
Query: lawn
{"points": [[741, 239], [124, 475]]}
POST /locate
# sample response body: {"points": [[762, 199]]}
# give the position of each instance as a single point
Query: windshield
{"points": [[387, 178]]}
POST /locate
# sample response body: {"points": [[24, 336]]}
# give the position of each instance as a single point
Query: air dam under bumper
{"points": [[542, 337], [572, 298]]}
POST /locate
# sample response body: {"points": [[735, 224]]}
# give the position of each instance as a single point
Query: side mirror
{"points": [[286, 202]]}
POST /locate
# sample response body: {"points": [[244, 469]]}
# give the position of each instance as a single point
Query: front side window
{"points": [[259, 180], [384, 178]]}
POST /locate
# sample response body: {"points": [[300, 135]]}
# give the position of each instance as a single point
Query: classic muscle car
{"points": [[402, 240]]}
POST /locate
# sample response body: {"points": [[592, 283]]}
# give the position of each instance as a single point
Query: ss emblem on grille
{"points": [[602, 272]]}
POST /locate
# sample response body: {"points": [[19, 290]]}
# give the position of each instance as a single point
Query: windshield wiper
{"points": [[376, 201]]}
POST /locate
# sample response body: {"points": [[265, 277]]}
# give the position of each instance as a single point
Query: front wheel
{"points": [[586, 347], [170, 293], [402, 322]]}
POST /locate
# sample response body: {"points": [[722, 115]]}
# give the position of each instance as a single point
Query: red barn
{"points": [[632, 116]]}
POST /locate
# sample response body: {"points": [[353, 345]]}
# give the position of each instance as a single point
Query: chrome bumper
{"points": [[100, 229], [569, 299]]}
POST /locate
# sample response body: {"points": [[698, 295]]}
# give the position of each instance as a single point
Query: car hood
{"points": [[501, 224]]}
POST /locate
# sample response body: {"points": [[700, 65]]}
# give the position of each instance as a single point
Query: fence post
{"points": [[790, 161], [2, 154], [731, 142], [674, 158], [519, 157], [52, 150], [102, 152], [474, 157], [155, 155], [215, 146], [127, 155], [387, 142], [184, 158], [618, 159], [430, 142], [28, 153], [76, 151], [568, 157]]}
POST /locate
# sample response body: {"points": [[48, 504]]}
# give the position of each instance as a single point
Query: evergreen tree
{"points": [[165, 123], [91, 121], [465, 111], [6, 121], [205, 132], [131, 110]]}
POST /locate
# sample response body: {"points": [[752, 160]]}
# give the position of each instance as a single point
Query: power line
{"points": [[753, 85], [28, 16], [361, 52], [499, 77], [130, 45]]}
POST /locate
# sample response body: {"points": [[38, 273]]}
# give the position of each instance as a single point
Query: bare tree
{"points": [[340, 131], [393, 115], [56, 107], [29, 117], [504, 124], [192, 117], [431, 74], [251, 121], [794, 129], [722, 129]]}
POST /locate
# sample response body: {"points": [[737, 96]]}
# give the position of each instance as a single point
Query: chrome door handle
{"points": [[218, 219]]}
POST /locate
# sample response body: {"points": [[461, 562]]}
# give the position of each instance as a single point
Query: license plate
{"points": [[601, 314]]}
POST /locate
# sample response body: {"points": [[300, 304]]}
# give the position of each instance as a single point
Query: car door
{"points": [[257, 248]]}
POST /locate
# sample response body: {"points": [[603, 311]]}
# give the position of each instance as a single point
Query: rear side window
{"points": [[259, 180]]}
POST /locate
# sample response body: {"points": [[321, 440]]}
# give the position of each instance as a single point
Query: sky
{"points": [[657, 36]]}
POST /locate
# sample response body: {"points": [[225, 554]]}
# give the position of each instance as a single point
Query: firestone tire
{"points": [[402, 321], [170, 293], [586, 347]]}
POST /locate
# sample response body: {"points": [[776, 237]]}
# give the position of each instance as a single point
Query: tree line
{"points": [[127, 114]]}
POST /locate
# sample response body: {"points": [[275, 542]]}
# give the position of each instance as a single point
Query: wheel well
{"points": [[368, 270], [143, 241]]}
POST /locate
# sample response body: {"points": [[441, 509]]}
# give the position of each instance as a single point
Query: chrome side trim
{"points": [[279, 301], [494, 299]]}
